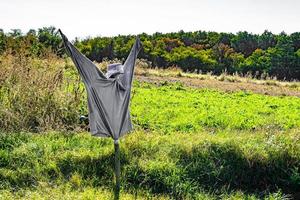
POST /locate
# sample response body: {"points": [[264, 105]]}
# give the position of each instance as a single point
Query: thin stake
{"points": [[117, 169]]}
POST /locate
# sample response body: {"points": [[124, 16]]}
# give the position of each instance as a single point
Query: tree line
{"points": [[199, 51]]}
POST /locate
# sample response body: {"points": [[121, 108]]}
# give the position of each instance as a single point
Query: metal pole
{"points": [[117, 169]]}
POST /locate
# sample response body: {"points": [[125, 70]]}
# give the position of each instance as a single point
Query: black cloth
{"points": [[108, 95]]}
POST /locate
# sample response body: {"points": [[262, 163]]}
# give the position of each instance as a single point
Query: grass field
{"points": [[190, 141], [180, 165], [178, 108]]}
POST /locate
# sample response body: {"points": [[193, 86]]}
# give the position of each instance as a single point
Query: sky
{"points": [[83, 18]]}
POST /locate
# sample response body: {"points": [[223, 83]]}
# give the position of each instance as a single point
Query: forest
{"points": [[258, 55]]}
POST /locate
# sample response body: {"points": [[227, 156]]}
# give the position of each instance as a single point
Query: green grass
{"points": [[173, 107], [188, 143], [181, 165], [52, 97]]}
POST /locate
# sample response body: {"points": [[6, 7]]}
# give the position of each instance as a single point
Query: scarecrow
{"points": [[108, 96]]}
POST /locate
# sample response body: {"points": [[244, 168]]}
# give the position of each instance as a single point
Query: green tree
{"points": [[2, 41], [257, 63], [283, 58], [49, 38], [266, 40], [228, 59], [190, 59], [295, 38], [245, 43]]}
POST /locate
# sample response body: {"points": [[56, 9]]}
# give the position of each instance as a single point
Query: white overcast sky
{"points": [[82, 18]]}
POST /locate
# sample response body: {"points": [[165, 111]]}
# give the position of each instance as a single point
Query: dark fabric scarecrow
{"points": [[108, 95]]}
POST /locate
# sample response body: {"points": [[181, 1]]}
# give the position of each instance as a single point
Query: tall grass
{"points": [[38, 94]]}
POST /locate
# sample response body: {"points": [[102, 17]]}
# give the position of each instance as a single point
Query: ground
{"points": [[196, 137]]}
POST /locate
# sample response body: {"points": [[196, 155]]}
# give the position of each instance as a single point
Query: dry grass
{"points": [[28, 84], [224, 82]]}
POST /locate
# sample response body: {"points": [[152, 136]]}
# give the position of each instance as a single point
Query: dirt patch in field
{"points": [[274, 90]]}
